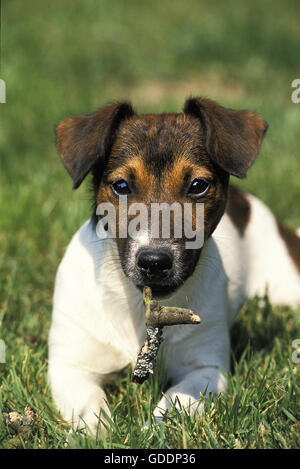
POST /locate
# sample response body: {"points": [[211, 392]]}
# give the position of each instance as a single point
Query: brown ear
{"points": [[232, 138], [84, 140]]}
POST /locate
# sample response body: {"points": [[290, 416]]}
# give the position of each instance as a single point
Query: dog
{"points": [[98, 322]]}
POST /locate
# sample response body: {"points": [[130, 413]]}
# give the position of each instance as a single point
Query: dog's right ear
{"points": [[84, 140]]}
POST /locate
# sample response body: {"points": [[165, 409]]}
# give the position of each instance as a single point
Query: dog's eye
{"points": [[120, 187], [198, 188]]}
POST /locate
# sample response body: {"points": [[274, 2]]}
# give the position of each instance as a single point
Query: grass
{"points": [[59, 60]]}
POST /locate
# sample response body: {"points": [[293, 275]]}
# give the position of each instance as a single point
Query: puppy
{"points": [[98, 323]]}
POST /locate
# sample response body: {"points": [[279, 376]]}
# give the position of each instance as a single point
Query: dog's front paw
{"points": [[189, 394], [92, 420], [164, 409], [181, 401], [80, 399]]}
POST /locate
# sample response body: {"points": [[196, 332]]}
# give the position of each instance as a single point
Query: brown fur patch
{"points": [[238, 208], [232, 138], [292, 242], [183, 166], [135, 171], [82, 141]]}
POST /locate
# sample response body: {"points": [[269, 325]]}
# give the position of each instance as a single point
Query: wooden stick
{"points": [[157, 317]]}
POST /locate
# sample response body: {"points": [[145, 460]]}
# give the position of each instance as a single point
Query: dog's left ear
{"points": [[232, 138], [84, 140]]}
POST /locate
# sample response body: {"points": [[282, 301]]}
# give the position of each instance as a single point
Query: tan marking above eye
{"points": [[194, 172], [135, 168], [174, 178]]}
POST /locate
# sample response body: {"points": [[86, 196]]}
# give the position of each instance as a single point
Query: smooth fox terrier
{"points": [[98, 323]]}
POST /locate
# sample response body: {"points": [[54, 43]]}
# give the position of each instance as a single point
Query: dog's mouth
{"points": [[159, 291]]}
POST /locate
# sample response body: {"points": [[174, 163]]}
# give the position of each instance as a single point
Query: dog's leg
{"points": [[188, 392], [79, 396]]}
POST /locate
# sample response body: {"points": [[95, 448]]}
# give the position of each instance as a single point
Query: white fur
{"points": [[98, 321]]}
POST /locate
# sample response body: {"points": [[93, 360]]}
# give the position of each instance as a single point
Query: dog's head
{"points": [[175, 160]]}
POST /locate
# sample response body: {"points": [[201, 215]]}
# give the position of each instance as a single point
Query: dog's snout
{"points": [[154, 264]]}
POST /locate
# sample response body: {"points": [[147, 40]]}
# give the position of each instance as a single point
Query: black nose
{"points": [[154, 264]]}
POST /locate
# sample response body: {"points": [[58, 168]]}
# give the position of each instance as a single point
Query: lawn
{"points": [[61, 58]]}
